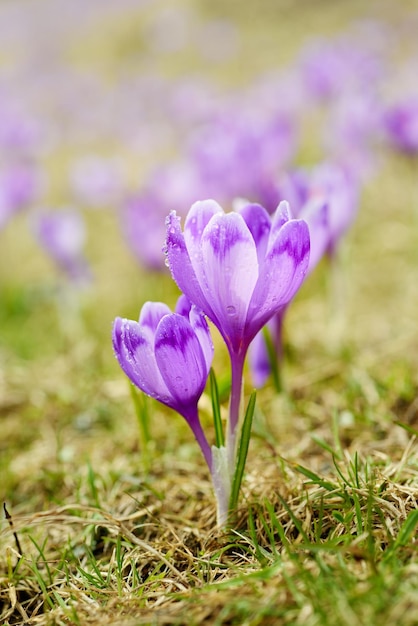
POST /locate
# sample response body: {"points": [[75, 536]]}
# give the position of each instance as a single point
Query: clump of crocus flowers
{"points": [[238, 269]]}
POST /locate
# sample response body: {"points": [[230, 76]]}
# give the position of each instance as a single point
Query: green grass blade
{"points": [[242, 452], [258, 552], [277, 525], [406, 529], [216, 410], [295, 520], [407, 427], [325, 446], [316, 480], [404, 534]]}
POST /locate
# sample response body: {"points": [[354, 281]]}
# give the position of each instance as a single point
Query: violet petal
{"points": [[180, 359]]}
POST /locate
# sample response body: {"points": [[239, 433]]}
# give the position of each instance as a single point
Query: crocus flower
{"points": [[240, 154], [335, 186], [401, 126], [19, 186], [62, 234], [20, 132], [353, 128], [168, 356], [239, 268], [330, 67], [171, 186]]}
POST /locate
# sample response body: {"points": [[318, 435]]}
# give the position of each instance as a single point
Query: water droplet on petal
{"points": [[230, 310]]}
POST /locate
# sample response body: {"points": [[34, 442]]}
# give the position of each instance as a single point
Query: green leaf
{"points": [[409, 429], [216, 410], [316, 480], [404, 535], [242, 452], [325, 446]]}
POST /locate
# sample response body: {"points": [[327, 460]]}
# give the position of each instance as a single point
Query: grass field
{"points": [[102, 527]]}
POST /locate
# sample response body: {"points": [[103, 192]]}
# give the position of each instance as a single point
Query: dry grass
{"points": [[139, 560]]}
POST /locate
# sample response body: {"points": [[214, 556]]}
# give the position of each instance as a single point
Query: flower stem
{"points": [[192, 417], [237, 367], [221, 481]]}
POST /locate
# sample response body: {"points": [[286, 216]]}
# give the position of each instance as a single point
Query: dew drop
{"points": [[166, 262], [230, 310], [178, 379]]}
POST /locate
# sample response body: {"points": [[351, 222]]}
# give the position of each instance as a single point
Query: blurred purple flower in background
{"points": [[62, 235], [240, 155], [21, 131], [20, 185], [143, 214], [331, 67], [335, 186], [353, 130], [401, 125], [168, 356], [142, 226], [327, 200]]}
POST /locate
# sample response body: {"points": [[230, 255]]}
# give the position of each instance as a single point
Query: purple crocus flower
{"points": [[239, 268], [330, 67], [19, 185], [401, 126], [171, 186], [239, 155], [20, 132], [353, 127], [168, 356], [62, 234], [335, 186]]}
